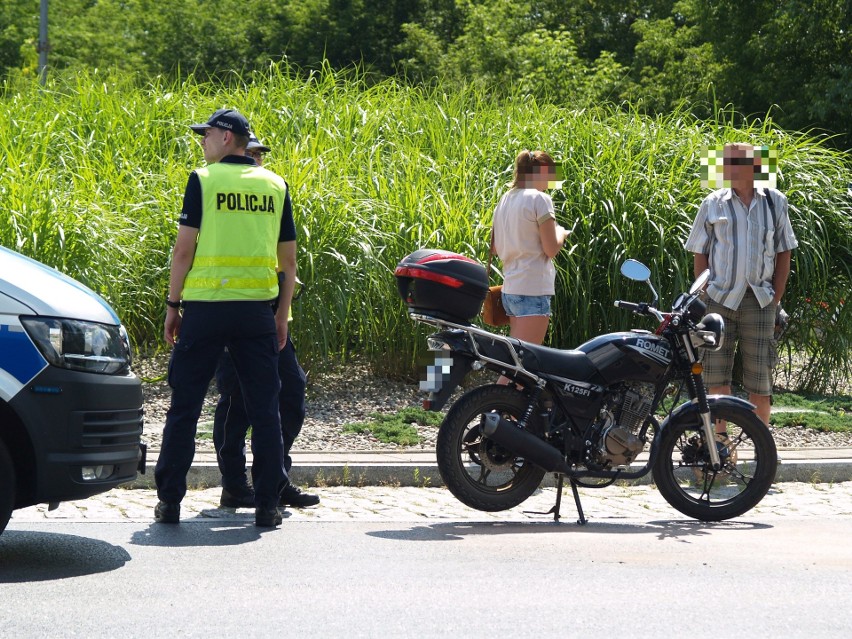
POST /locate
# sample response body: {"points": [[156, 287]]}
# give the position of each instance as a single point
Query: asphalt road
{"points": [[641, 571]]}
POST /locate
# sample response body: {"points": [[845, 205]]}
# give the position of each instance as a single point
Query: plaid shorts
{"points": [[752, 328]]}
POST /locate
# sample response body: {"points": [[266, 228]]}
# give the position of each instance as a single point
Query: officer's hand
{"points": [[281, 328], [172, 327]]}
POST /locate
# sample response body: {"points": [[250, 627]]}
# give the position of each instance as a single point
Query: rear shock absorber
{"points": [[533, 401]]}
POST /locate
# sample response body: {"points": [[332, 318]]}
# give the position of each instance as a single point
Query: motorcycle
{"points": [[589, 414]]}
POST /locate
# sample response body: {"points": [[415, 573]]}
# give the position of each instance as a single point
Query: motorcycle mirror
{"points": [[699, 282], [636, 271]]}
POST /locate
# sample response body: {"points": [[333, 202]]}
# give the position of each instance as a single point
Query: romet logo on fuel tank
{"points": [[655, 350]]}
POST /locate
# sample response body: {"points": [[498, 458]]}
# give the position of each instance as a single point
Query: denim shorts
{"points": [[526, 305]]}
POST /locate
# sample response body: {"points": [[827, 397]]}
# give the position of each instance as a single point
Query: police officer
{"points": [[231, 423], [221, 288]]}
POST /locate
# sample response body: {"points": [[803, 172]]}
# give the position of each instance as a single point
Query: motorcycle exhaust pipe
{"points": [[524, 444]]}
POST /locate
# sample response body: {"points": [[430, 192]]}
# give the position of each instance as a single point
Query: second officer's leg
{"points": [[291, 406], [253, 345], [291, 399], [230, 426]]}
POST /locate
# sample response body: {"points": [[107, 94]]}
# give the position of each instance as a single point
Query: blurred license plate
{"points": [[438, 372]]}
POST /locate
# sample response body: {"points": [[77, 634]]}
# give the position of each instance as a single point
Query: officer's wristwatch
{"points": [[172, 304]]}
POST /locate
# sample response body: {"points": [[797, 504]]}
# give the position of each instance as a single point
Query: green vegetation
{"points": [[413, 147], [94, 167], [825, 422], [397, 428], [788, 56], [809, 401], [205, 431], [818, 412]]}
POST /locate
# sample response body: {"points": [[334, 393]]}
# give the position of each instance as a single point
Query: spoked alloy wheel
{"points": [[478, 471], [749, 460]]}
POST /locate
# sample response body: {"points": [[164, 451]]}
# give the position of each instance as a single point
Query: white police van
{"points": [[70, 408]]}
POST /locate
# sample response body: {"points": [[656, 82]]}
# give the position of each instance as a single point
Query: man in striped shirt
{"points": [[743, 235]]}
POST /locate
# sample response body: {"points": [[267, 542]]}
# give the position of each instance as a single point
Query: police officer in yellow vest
{"points": [[230, 421], [221, 288]]}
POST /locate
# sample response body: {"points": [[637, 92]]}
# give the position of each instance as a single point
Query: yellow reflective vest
{"points": [[236, 253]]}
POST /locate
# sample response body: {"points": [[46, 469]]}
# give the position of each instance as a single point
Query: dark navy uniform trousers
{"points": [[247, 329], [231, 421]]}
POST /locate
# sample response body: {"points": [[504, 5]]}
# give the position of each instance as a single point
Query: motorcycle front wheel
{"points": [[479, 472], [685, 478]]}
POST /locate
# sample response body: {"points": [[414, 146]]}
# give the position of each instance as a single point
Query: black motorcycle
{"points": [[589, 414]]}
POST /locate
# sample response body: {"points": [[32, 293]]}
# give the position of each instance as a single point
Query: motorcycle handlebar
{"points": [[639, 309]]}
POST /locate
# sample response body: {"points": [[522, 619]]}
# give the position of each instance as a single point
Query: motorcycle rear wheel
{"points": [[478, 472], [684, 477]]}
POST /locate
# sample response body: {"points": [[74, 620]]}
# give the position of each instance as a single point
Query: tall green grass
{"points": [[94, 166]]}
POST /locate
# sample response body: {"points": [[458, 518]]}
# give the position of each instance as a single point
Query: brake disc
{"points": [[727, 457], [494, 457]]}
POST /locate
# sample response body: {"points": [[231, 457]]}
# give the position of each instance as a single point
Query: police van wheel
{"points": [[7, 486]]}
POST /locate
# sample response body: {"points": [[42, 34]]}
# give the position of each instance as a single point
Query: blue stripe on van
{"points": [[18, 355]]}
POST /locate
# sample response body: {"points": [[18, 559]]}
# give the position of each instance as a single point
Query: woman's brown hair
{"points": [[526, 161]]}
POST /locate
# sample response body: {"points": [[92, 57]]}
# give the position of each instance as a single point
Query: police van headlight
{"points": [[79, 345]]}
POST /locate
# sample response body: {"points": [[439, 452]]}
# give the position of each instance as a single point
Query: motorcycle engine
{"points": [[624, 415]]}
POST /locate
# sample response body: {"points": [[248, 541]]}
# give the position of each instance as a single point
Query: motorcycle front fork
{"points": [[710, 438], [700, 394], [706, 421]]}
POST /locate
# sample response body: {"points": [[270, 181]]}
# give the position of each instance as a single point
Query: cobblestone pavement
{"points": [[408, 504]]}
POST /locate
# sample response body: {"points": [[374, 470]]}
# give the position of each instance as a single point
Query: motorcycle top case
{"points": [[442, 284]]}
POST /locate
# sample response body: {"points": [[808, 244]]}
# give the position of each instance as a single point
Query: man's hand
{"points": [[700, 263], [172, 327], [281, 328], [182, 257]]}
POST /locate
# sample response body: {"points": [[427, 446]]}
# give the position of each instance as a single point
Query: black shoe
{"points": [[243, 497], [292, 496], [267, 517], [166, 513]]}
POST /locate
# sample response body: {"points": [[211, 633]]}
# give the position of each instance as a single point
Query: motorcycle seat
{"points": [[573, 364], [566, 363]]}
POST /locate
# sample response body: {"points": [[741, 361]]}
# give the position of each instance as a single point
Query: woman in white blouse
{"points": [[526, 237]]}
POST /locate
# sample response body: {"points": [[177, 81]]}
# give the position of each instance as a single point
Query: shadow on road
{"points": [[663, 529], [223, 530], [37, 556]]}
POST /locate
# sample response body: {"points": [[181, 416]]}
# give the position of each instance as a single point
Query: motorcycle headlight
{"points": [[709, 333], [79, 345], [696, 309]]}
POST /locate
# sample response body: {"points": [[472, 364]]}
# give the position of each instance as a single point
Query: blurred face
{"points": [[256, 155], [540, 177], [739, 162]]}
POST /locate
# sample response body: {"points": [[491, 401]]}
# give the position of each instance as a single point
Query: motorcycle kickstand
{"points": [[560, 482], [582, 521], [556, 507]]}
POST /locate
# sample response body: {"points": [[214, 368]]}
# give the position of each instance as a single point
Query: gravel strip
{"points": [[344, 396], [351, 394]]}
